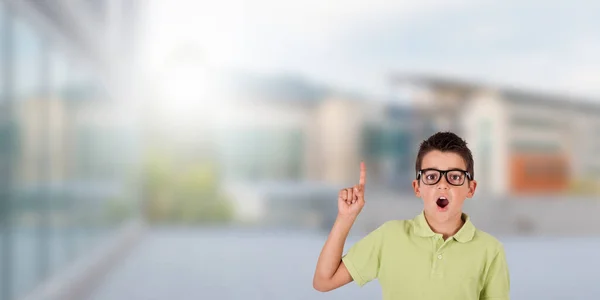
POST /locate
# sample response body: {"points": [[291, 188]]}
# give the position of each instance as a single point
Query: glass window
{"points": [[59, 176], [530, 146], [28, 253], [5, 172], [537, 122], [57, 155], [93, 132], [75, 178]]}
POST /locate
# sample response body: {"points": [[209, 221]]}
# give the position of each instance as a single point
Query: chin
{"points": [[442, 213]]}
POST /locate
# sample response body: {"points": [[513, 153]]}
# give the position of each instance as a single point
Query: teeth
{"points": [[443, 197]]}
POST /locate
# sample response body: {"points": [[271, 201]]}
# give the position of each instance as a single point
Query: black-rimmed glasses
{"points": [[454, 177]]}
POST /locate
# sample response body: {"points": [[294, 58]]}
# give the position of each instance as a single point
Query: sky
{"points": [[357, 45]]}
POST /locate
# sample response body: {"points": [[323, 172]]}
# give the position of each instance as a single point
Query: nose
{"points": [[443, 184]]}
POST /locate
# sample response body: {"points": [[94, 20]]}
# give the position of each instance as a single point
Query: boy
{"points": [[437, 255]]}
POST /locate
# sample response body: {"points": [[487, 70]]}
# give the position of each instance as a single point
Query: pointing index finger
{"points": [[363, 173]]}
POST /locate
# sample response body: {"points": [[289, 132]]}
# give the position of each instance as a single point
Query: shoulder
{"points": [[395, 228], [487, 239], [489, 243], [395, 225]]}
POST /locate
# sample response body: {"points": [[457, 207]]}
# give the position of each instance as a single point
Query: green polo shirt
{"points": [[410, 261]]}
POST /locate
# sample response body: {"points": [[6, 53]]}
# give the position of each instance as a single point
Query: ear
{"points": [[472, 187], [416, 188]]}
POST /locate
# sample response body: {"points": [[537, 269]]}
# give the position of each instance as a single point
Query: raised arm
{"points": [[331, 272]]}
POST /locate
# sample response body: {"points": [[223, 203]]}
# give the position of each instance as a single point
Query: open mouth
{"points": [[442, 202]]}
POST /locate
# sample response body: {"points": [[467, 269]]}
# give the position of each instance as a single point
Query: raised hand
{"points": [[351, 200]]}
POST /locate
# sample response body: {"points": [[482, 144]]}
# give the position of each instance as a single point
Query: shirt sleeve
{"points": [[364, 258], [497, 280]]}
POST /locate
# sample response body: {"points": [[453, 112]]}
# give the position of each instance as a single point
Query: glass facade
{"points": [[30, 116], [6, 144], [389, 147], [64, 190], [273, 153]]}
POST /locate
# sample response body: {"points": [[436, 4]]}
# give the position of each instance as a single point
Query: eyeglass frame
{"points": [[444, 173]]}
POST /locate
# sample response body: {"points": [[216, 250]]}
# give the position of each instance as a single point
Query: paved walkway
{"points": [[243, 264]]}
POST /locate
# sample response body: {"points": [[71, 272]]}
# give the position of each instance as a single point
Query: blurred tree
{"points": [[198, 195], [184, 192], [156, 182], [117, 210]]}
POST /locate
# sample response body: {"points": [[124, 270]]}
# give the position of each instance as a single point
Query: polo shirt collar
{"points": [[421, 227], [464, 234]]}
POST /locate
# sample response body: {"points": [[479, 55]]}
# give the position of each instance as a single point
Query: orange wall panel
{"points": [[539, 173]]}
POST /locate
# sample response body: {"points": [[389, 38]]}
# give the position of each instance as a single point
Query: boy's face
{"points": [[433, 195]]}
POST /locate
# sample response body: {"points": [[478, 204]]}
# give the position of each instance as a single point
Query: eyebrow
{"points": [[451, 168]]}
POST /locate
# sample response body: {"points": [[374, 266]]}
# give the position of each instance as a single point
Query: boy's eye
{"points": [[431, 177]]}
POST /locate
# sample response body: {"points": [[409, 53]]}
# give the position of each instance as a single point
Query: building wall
{"points": [[522, 143], [36, 116], [584, 147], [485, 130], [390, 147], [336, 154], [346, 132], [538, 128], [539, 173], [552, 148]]}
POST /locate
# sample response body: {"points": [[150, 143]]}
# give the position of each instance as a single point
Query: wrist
{"points": [[346, 218]]}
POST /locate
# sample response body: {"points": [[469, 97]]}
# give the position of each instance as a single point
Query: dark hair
{"points": [[446, 142]]}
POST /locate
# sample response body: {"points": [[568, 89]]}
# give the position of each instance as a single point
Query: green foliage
{"points": [[585, 187], [183, 192], [118, 210]]}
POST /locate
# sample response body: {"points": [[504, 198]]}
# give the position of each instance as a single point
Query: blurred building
{"points": [[263, 132], [67, 143], [524, 143], [285, 128], [348, 130], [334, 153], [281, 204], [286, 134]]}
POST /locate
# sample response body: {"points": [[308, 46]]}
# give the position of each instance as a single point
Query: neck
{"points": [[446, 228]]}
